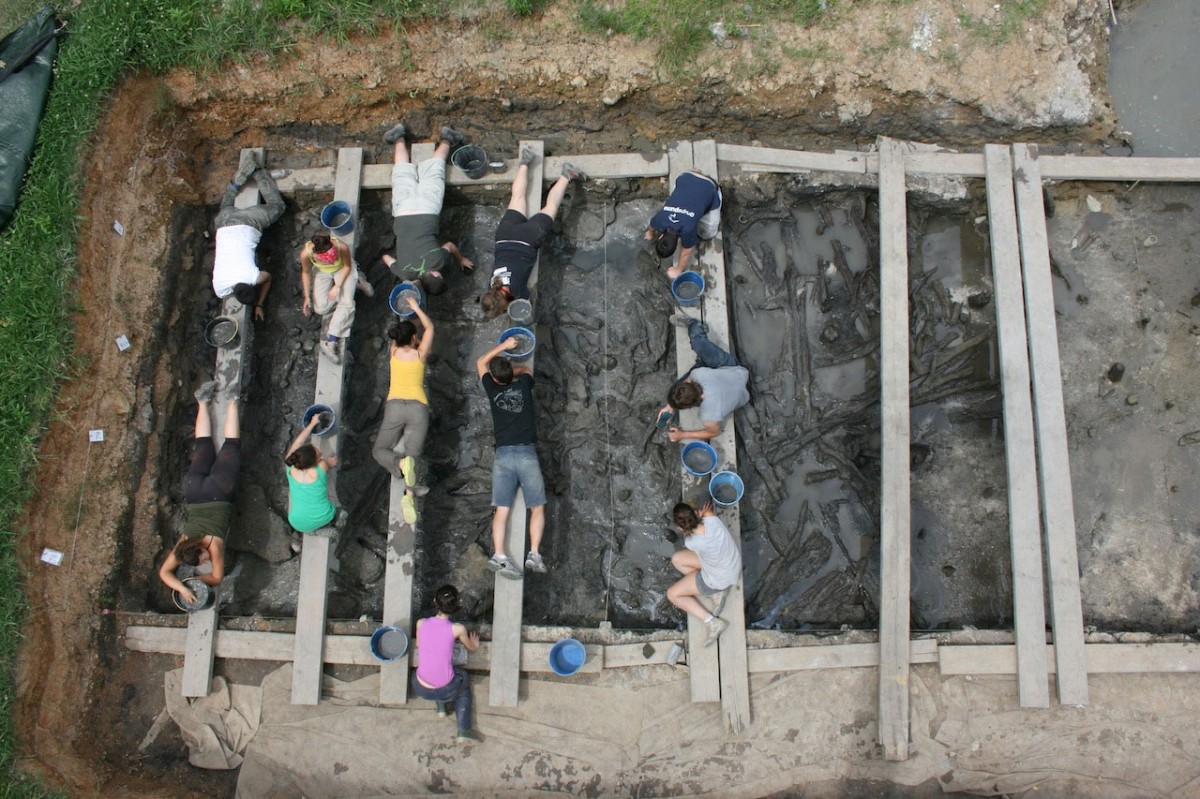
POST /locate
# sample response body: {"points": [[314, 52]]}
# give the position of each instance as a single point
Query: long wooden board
{"points": [[731, 648], [316, 556], [895, 503], [834, 656], [229, 374], [508, 608], [1029, 611], [1101, 659], [1054, 467]]}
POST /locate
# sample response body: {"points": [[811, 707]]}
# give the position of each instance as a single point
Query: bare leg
{"points": [[400, 152], [537, 525], [232, 424], [442, 151], [683, 596], [203, 421], [499, 530], [554, 197], [520, 190], [686, 562]]}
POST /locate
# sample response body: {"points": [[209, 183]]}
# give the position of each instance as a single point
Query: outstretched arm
{"points": [[469, 640], [710, 430], [306, 279], [216, 556], [481, 365], [427, 324], [685, 257], [166, 573], [304, 435], [464, 263]]}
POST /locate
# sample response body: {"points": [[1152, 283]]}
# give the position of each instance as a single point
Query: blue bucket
{"points": [[698, 458], [688, 288], [389, 643], [726, 488], [338, 217], [330, 423], [396, 299], [526, 342], [567, 657]]}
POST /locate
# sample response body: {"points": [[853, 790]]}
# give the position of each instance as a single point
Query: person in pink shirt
{"points": [[437, 677]]}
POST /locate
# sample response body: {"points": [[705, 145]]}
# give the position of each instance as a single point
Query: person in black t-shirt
{"points": [[510, 395]]}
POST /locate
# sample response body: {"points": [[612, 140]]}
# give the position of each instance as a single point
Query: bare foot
{"points": [[674, 272]]}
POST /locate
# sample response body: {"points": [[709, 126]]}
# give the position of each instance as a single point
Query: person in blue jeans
{"points": [[437, 677], [716, 384], [510, 394]]}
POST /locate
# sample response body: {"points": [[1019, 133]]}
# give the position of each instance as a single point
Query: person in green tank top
{"points": [[309, 506], [208, 492]]}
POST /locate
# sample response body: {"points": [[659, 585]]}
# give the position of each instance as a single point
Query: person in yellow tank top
{"points": [[406, 412], [331, 289]]}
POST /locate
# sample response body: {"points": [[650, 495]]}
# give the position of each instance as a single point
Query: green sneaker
{"points": [[408, 467], [409, 508]]}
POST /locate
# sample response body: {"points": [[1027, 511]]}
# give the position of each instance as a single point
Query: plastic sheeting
{"points": [[27, 55]]}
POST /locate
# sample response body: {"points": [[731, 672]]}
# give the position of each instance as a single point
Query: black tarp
{"points": [[26, 62]]}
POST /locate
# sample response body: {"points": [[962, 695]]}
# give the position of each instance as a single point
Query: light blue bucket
{"points": [[389, 643], [325, 428], [338, 217], [726, 488], [396, 300], [688, 288], [526, 342], [698, 458], [567, 657]]}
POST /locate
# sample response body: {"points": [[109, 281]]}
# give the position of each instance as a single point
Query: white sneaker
{"points": [[534, 563], [330, 350], [715, 626]]}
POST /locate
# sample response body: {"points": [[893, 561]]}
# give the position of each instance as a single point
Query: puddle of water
{"points": [[1151, 74]]}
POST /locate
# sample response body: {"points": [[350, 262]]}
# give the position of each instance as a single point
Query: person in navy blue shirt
{"points": [[692, 212]]}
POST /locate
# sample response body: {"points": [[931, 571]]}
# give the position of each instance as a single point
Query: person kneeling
{"points": [[710, 563]]}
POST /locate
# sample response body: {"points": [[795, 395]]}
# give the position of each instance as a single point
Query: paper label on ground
{"points": [[52, 556], [95, 435], [123, 343]]}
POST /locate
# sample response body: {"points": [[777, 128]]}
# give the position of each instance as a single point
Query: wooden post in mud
{"points": [[731, 647], [307, 662], [229, 374], [1054, 468], [510, 594], [895, 500], [398, 569], [1029, 609]]}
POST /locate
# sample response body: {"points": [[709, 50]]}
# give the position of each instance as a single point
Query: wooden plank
{"points": [[834, 656], [1029, 611], [1150, 170], [1054, 468], [397, 594], [731, 648], [895, 503], [508, 607], [309, 655], [1101, 659], [379, 176], [818, 162], [703, 662], [652, 653], [202, 625], [967, 165]]}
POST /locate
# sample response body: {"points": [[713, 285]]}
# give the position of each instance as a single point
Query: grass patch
{"points": [[1001, 27]]}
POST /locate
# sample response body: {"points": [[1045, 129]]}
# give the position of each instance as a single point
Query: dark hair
{"points": [[684, 394], [686, 518], [494, 302], [321, 242], [402, 333], [433, 284], [305, 457], [445, 600], [189, 549], [501, 370], [665, 246], [245, 293]]}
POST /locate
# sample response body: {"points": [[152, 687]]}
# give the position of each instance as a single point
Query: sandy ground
{"points": [[166, 145]]}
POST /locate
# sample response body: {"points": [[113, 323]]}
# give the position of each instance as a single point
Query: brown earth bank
{"points": [[166, 145]]}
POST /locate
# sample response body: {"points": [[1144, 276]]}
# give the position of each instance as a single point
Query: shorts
{"points": [[704, 588], [710, 223], [514, 466], [213, 476], [419, 188], [515, 227]]}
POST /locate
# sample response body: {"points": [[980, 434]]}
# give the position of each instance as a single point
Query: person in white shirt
{"points": [[710, 563], [238, 233]]}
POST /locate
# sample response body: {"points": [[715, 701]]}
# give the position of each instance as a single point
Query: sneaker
{"points": [[681, 320], [716, 625], [496, 562], [720, 598], [247, 166], [469, 737], [409, 508], [330, 350], [573, 173], [395, 133], [443, 710], [455, 138], [365, 286], [206, 392], [341, 519], [505, 567], [528, 157], [534, 563], [408, 468]]}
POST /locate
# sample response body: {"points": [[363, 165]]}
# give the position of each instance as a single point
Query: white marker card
{"points": [[52, 556], [95, 435], [117, 226], [123, 343]]}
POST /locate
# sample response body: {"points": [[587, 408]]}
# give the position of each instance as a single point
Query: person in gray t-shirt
{"points": [[710, 562], [716, 384]]}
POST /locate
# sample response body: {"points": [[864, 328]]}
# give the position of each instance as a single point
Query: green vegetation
{"points": [[1006, 22]]}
